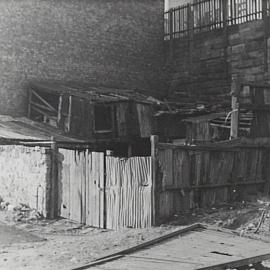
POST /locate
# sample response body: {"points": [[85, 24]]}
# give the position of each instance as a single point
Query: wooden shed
{"points": [[91, 113]]}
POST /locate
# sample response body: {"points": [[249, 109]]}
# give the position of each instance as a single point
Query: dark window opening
{"points": [[44, 107], [103, 118]]}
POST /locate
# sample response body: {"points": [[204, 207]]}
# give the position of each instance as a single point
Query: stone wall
{"points": [[201, 69], [116, 43], [24, 173]]}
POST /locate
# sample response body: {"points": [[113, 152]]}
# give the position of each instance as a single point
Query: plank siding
{"points": [[81, 178], [83, 190], [128, 192], [189, 177]]}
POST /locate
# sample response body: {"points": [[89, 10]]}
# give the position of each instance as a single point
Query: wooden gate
{"points": [[128, 192], [81, 186], [83, 197]]}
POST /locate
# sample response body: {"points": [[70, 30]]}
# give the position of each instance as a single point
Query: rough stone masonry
{"points": [[25, 176]]}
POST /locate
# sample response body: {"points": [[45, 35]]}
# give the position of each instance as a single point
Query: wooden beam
{"points": [[44, 101], [213, 186], [254, 107], [29, 103], [120, 254], [44, 113], [59, 115], [205, 147], [69, 113], [238, 263], [41, 106], [235, 109], [54, 180]]}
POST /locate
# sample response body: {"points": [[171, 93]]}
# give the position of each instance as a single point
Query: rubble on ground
{"points": [[247, 219], [19, 213]]}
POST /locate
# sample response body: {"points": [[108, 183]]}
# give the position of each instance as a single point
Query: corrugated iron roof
{"points": [[24, 129], [93, 93]]}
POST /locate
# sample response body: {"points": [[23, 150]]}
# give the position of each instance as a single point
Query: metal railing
{"points": [[207, 15]]}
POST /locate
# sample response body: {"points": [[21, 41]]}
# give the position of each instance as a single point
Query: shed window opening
{"points": [[103, 118]]}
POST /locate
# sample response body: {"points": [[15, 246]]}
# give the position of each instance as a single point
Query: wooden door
{"points": [[128, 192], [95, 189], [81, 186]]}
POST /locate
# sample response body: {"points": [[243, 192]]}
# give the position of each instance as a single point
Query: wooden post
{"points": [[266, 189], [29, 103], [59, 111], [104, 191], [69, 113], [129, 150], [235, 109], [154, 141], [53, 211]]}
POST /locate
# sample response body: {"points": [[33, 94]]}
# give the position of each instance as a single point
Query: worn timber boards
{"points": [[194, 247]]}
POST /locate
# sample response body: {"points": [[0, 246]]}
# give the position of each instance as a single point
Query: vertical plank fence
{"points": [[81, 186], [189, 177], [105, 192], [128, 192]]}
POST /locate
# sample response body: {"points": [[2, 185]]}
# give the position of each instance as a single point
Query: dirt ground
{"points": [[61, 244]]}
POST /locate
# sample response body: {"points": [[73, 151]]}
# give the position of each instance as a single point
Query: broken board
{"points": [[198, 248]]}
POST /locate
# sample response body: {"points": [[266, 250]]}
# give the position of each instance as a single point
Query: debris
{"points": [[266, 263], [74, 259], [10, 207], [4, 205], [250, 226], [261, 221]]}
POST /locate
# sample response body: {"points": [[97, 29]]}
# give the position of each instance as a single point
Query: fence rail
{"points": [[207, 15], [189, 177]]}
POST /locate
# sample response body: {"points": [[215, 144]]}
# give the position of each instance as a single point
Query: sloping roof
{"points": [[93, 93], [24, 129]]}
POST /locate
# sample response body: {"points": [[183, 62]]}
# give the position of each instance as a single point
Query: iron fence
{"points": [[206, 15]]}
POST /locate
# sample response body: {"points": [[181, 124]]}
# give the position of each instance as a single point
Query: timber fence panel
{"points": [[204, 176], [128, 192]]}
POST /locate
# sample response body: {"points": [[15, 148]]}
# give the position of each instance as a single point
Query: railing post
{"points": [[154, 141], [266, 33], [225, 35], [171, 23], [190, 46]]}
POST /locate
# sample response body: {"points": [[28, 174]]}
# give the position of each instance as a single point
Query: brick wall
{"points": [[22, 171], [116, 43], [201, 70]]}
